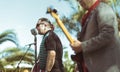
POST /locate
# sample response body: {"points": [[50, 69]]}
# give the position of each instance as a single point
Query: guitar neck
{"points": [[67, 34]]}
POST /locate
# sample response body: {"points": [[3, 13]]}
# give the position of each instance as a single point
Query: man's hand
{"points": [[76, 46]]}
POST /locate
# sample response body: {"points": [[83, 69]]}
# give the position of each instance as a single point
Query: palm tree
{"points": [[12, 55], [8, 35]]}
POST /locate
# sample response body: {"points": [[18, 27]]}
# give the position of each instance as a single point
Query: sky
{"points": [[22, 15]]}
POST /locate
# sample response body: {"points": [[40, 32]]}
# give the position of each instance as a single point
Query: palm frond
{"points": [[8, 35]]}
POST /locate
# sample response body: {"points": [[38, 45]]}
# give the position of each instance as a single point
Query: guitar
{"points": [[36, 67], [78, 58]]}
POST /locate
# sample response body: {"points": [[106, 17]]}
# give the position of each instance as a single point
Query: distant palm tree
{"points": [[8, 35], [16, 56], [13, 55]]}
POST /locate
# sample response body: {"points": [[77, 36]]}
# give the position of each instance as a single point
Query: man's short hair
{"points": [[47, 20]]}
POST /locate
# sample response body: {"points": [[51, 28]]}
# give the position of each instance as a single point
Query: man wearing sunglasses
{"points": [[98, 40], [51, 50]]}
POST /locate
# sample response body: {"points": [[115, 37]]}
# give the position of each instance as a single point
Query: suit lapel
{"points": [[83, 31]]}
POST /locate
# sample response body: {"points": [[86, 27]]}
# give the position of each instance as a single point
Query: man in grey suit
{"points": [[99, 38]]}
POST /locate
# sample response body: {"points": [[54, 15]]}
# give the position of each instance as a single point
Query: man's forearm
{"points": [[50, 60]]}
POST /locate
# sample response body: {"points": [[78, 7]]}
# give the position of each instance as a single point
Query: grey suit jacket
{"points": [[100, 40]]}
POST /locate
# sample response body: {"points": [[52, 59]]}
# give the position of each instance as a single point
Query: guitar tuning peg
{"points": [[51, 9], [48, 10], [54, 10]]}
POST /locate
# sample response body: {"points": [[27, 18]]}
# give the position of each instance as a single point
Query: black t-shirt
{"points": [[52, 42]]}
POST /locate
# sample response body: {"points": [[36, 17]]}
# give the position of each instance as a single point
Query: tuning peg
{"points": [[54, 10], [50, 9]]}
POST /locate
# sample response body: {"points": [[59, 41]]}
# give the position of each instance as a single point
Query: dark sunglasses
{"points": [[39, 24]]}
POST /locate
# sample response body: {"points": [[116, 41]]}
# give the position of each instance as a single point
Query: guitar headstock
{"points": [[53, 12]]}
